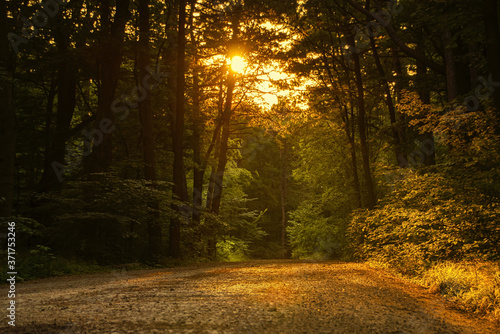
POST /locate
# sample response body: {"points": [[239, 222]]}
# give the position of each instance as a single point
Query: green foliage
{"points": [[318, 222], [425, 219], [104, 220], [313, 235], [242, 225], [31, 259], [450, 211], [268, 156], [232, 249], [34, 260], [234, 211]]}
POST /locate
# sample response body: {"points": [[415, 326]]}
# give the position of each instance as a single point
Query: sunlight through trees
{"points": [[164, 132]]}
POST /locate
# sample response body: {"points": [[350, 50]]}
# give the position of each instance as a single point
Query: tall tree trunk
{"points": [[350, 131], [224, 141], [66, 102], [148, 138], [491, 22], [179, 179], [352, 150], [226, 122], [110, 59], [198, 168], [365, 154], [198, 171], [451, 71], [8, 128], [49, 110], [283, 198], [402, 121], [145, 112], [214, 146], [428, 145], [198, 126], [217, 179], [398, 150]]}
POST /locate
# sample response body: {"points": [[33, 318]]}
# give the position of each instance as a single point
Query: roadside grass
{"points": [[473, 285]]}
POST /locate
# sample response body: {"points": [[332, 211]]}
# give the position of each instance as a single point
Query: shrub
{"points": [[312, 235], [427, 218], [104, 219]]}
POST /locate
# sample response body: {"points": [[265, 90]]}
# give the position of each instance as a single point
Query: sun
{"points": [[238, 64]]}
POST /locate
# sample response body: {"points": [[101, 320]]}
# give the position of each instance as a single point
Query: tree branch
{"points": [[438, 68]]}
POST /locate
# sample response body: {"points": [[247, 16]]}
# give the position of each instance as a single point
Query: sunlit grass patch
{"points": [[232, 250], [475, 285]]}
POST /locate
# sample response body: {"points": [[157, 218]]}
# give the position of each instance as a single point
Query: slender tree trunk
{"points": [[365, 154], [145, 112], [226, 122], [213, 186], [198, 171], [49, 110], [425, 96], [109, 68], [401, 121], [66, 102], [390, 104], [491, 22], [198, 126], [148, 138], [224, 141], [350, 131], [352, 150], [217, 179], [451, 72], [213, 182], [283, 197], [214, 146], [8, 128], [179, 179]]}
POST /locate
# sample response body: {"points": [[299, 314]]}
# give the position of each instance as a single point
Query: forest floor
{"points": [[246, 297]]}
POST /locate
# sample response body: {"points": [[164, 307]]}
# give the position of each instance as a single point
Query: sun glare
{"points": [[238, 64], [270, 99]]}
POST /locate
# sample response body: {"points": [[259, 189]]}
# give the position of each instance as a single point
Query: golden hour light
{"points": [[269, 92], [270, 99], [238, 64], [230, 158]]}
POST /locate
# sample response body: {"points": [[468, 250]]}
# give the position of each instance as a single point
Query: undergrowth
{"points": [[473, 285]]}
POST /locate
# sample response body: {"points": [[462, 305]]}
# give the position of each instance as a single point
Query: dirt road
{"points": [[251, 297]]}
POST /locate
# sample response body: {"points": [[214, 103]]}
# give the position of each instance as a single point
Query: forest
{"points": [[170, 132]]}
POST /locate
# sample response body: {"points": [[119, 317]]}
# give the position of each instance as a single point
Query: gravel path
{"points": [[249, 297]]}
